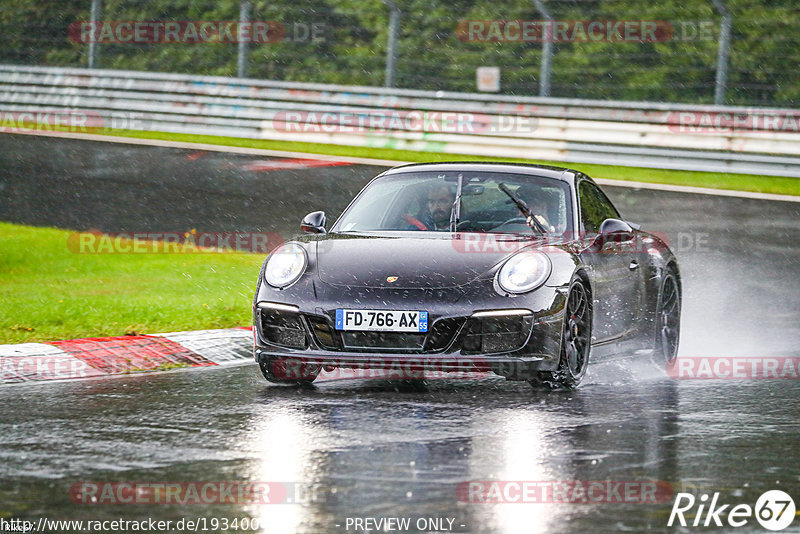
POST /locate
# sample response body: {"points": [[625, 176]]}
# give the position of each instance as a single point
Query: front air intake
{"points": [[283, 328], [486, 335]]}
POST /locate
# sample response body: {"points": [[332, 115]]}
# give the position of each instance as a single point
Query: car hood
{"points": [[417, 262]]}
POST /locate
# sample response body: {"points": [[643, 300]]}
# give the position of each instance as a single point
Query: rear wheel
{"points": [[576, 335], [282, 370], [668, 320]]}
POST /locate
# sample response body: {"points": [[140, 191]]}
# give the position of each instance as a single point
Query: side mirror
{"points": [[615, 230], [314, 223]]}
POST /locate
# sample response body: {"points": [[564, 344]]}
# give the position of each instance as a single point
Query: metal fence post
{"points": [[244, 18], [95, 17], [391, 45], [722, 52], [547, 50]]}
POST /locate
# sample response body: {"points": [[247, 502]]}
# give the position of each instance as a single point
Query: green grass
{"points": [[717, 180], [49, 293]]}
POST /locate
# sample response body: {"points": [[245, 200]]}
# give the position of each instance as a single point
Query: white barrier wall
{"points": [[690, 137]]}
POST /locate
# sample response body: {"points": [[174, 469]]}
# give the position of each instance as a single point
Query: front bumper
{"points": [[466, 331]]}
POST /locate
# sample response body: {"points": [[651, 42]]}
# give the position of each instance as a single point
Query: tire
{"points": [[290, 371], [668, 320], [576, 335]]}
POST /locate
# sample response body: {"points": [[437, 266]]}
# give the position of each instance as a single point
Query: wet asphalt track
{"points": [[369, 449]]}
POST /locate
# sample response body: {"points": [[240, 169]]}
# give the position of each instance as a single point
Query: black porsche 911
{"points": [[523, 270]]}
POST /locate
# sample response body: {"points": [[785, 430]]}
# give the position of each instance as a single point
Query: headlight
{"points": [[523, 272], [285, 265]]}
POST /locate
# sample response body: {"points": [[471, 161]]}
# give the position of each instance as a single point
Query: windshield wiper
{"points": [[455, 212], [526, 211]]}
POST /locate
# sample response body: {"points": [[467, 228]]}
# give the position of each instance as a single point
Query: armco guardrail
{"points": [[690, 137]]}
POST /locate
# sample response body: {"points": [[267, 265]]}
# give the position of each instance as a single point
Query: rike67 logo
{"points": [[774, 510]]}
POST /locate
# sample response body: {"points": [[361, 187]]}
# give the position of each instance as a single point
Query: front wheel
{"points": [[576, 335], [668, 320], [290, 371]]}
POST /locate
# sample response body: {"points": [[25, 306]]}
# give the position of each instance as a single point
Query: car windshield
{"points": [[422, 201]]}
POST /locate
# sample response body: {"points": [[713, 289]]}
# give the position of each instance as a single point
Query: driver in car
{"points": [[437, 213], [533, 198]]}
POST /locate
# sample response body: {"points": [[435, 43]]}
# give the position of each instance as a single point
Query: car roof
{"points": [[547, 171]]}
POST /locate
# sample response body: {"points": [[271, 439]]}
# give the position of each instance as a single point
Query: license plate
{"points": [[382, 320]]}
